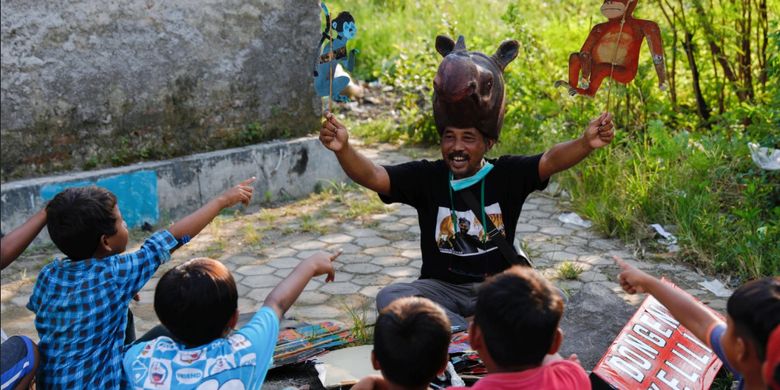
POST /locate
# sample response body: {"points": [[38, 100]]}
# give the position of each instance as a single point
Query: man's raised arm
{"points": [[565, 155], [358, 167]]}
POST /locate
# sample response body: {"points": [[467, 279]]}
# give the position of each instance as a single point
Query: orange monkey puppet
{"points": [[612, 50]]}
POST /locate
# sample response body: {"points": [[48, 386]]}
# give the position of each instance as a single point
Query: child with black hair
{"points": [[411, 337], [197, 302], [516, 333], [80, 302], [753, 311]]}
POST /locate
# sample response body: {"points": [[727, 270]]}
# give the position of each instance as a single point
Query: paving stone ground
{"points": [[380, 246]]}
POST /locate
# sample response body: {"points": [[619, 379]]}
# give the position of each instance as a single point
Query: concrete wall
{"points": [[94, 83], [157, 192]]}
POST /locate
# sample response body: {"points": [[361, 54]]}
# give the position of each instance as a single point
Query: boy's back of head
{"points": [[78, 217], [411, 338], [518, 312], [754, 309], [196, 301]]}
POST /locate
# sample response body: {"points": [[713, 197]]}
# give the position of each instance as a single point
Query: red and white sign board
{"points": [[653, 351]]}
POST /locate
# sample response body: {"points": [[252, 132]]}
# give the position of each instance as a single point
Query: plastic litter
{"points": [[765, 158], [574, 219], [668, 239], [716, 287]]}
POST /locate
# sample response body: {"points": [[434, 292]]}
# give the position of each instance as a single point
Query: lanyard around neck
{"points": [[482, 208]]}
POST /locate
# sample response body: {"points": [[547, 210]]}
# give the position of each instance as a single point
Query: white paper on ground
{"points": [[716, 287], [765, 158], [574, 219], [669, 237], [346, 366]]}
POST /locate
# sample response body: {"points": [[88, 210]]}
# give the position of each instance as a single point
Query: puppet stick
{"points": [[614, 56], [330, 73]]}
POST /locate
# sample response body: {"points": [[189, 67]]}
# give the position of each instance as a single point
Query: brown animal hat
{"points": [[468, 90]]}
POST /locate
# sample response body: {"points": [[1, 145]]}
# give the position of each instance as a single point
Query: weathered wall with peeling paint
{"points": [[163, 191], [94, 83]]}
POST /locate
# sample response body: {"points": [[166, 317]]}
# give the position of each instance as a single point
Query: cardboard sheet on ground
{"points": [[346, 366], [654, 351]]}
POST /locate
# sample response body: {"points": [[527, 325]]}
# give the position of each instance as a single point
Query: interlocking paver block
{"points": [[308, 245], [259, 294], [370, 242], [314, 312], [394, 227], [249, 270], [371, 291], [556, 231], [406, 244], [259, 281], [401, 272], [591, 276], [281, 252], [338, 238], [339, 288], [362, 233], [372, 279], [361, 268], [386, 261], [381, 251], [311, 298], [286, 262]]}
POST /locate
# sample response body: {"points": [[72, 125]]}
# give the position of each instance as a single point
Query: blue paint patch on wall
{"points": [[136, 195]]}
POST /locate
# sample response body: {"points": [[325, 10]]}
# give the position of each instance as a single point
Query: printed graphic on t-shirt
{"points": [[469, 238]]}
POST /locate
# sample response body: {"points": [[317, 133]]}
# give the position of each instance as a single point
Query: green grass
{"points": [[569, 271]]}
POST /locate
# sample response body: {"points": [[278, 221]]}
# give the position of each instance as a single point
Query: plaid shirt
{"points": [[81, 313]]}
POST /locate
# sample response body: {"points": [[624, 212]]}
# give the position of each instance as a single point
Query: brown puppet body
{"points": [[614, 43]]}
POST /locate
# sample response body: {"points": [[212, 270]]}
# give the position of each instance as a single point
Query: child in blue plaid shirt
{"points": [[81, 302]]}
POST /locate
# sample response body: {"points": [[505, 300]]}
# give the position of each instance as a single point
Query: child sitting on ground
{"points": [[516, 333], [81, 302], [197, 302], [753, 311], [411, 337]]}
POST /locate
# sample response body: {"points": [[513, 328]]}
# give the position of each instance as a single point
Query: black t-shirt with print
{"points": [[459, 252]]}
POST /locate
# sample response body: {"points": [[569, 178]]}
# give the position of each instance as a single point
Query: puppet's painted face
{"points": [[349, 30], [613, 9]]}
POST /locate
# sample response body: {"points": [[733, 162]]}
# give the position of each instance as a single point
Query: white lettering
{"points": [[703, 358], [638, 344], [634, 357], [671, 382], [691, 378], [649, 336], [621, 365], [663, 314], [697, 341], [649, 321], [696, 366]]}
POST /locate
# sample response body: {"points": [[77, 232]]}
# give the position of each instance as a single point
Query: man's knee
{"points": [[392, 292]]}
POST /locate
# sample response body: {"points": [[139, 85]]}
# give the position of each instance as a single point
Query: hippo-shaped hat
{"points": [[468, 90]]}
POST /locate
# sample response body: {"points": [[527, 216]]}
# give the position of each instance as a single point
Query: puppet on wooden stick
{"points": [[612, 50], [330, 77]]}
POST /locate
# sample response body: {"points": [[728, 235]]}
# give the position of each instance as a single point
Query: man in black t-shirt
{"points": [[468, 109], [451, 271]]}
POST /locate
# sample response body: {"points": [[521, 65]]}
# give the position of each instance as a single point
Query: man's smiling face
{"points": [[463, 150]]}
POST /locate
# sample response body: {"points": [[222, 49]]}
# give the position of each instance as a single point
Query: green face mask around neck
{"points": [[460, 184]]}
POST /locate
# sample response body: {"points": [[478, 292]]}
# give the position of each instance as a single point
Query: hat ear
{"points": [[506, 52], [444, 45]]}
